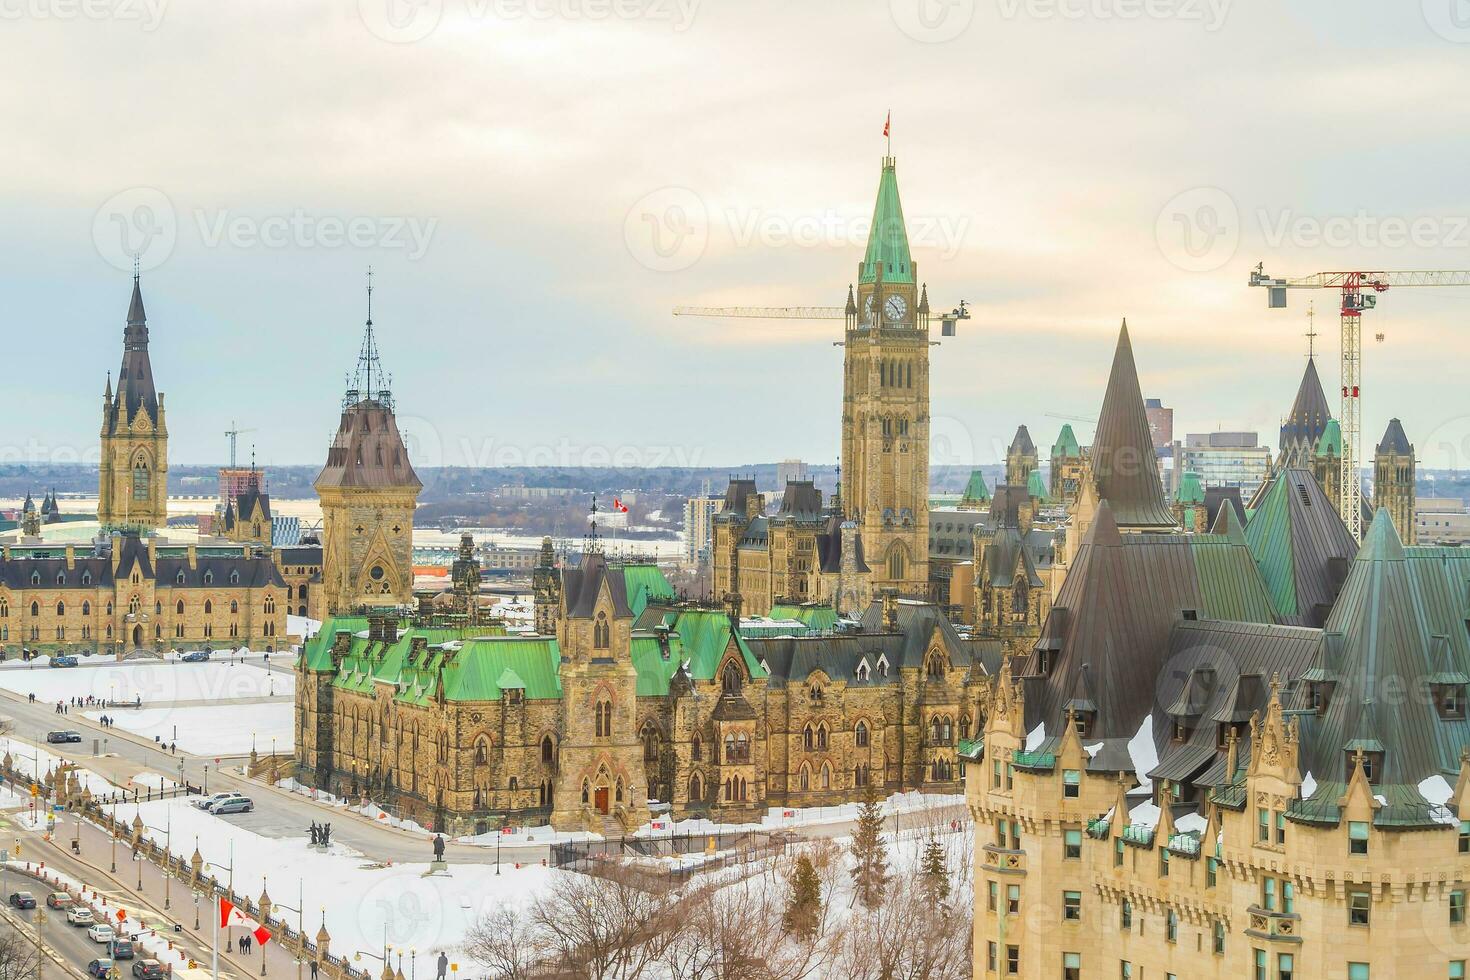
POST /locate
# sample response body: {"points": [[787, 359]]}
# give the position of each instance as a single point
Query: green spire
{"points": [[1330, 443], [1066, 444], [1191, 489], [976, 492], [1034, 486], [1381, 543], [888, 240]]}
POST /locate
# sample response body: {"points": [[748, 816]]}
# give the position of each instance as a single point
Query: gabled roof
{"points": [[1006, 555], [1218, 497], [888, 239], [1300, 545], [582, 585], [1308, 418], [1022, 443], [1123, 460], [1394, 441], [1066, 445], [829, 546]]}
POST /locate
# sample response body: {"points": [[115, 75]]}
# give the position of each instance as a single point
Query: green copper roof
{"points": [[1269, 537], [815, 617], [976, 491], [1330, 444], [1034, 486], [888, 240], [645, 584], [1066, 445], [1191, 489]]}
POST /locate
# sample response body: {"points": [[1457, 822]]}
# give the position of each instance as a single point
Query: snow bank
{"points": [[1036, 736], [1309, 786], [156, 682], [226, 729], [1142, 751]]}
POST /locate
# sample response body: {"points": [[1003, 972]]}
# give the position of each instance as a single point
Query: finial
{"points": [[1311, 329], [370, 296], [137, 266]]}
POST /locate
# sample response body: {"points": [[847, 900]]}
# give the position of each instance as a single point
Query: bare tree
{"points": [[18, 957], [504, 941], [907, 937]]}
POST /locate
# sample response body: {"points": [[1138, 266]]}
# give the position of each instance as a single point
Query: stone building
{"points": [[133, 469], [1304, 425], [368, 492], [1066, 467], [636, 696], [1393, 479], [1021, 458]]}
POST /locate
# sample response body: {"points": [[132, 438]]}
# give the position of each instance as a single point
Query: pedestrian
{"points": [[313, 970], [443, 964]]}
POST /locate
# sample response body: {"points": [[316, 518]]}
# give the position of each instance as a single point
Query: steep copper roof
{"points": [[367, 451], [1394, 440], [1123, 460], [1022, 442], [135, 377], [1307, 421]]}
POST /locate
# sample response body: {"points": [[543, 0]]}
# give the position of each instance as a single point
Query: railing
{"points": [[1277, 926], [1034, 760], [1139, 834]]}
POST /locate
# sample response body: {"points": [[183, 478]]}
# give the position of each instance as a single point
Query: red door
{"points": [[602, 800]]}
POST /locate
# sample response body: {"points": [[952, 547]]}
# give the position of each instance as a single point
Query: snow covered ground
{"points": [[156, 682], [777, 818], [359, 900], [226, 729], [34, 761]]}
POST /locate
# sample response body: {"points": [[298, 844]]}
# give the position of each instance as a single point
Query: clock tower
{"points": [[885, 403]]}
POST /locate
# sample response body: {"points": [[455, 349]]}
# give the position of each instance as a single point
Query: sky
{"points": [[537, 183]]}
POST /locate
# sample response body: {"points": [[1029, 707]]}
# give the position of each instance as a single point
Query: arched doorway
{"points": [[137, 636]]}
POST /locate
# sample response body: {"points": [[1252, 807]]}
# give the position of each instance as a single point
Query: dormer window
{"points": [[816, 693], [882, 665], [1084, 720], [234, 578], [179, 578], [1449, 701], [1181, 731], [862, 670], [35, 578], [209, 578], [86, 578], [60, 578]]}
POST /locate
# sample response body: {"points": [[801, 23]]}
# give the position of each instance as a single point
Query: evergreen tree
{"points": [[870, 872], [934, 873], [804, 906]]}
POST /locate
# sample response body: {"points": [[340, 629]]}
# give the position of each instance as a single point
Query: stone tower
{"points": [[1327, 461], [30, 519], [546, 589], [465, 575], [1065, 467], [885, 402], [368, 492], [1021, 458], [1393, 479], [1303, 428], [133, 470]]}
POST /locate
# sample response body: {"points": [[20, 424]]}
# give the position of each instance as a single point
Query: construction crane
{"points": [[234, 432], [947, 321], [1359, 293]]}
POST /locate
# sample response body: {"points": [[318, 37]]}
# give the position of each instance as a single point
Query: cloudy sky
{"points": [[536, 183]]}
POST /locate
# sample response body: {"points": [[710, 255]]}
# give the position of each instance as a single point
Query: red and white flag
{"points": [[619, 506], [226, 909], [262, 935], [887, 122]]}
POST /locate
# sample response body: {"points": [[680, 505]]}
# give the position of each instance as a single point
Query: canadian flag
{"points": [[619, 507], [226, 910], [887, 122], [262, 935]]}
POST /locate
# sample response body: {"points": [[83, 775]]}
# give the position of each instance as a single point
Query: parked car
{"points": [[64, 661], [80, 915], [205, 802], [148, 970], [101, 932], [194, 657], [121, 949], [58, 900], [23, 900], [232, 804], [63, 736], [99, 968]]}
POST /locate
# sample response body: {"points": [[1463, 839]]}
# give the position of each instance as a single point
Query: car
{"points": [[80, 915], [58, 900], [64, 661], [23, 900], [54, 737], [101, 932], [148, 970], [121, 949], [232, 804], [99, 968], [194, 657], [205, 802]]}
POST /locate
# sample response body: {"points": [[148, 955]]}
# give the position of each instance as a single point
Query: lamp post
{"points": [[138, 860], [197, 896], [168, 855]]}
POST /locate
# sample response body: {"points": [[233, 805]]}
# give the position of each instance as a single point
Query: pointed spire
{"points": [[1308, 418], [1227, 524], [592, 545], [107, 393], [137, 316], [888, 239], [851, 302], [924, 299], [1394, 441], [1021, 442], [1382, 541], [1123, 461]]}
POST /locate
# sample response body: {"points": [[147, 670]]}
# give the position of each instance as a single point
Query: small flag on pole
{"points": [[619, 506], [887, 123], [226, 907]]}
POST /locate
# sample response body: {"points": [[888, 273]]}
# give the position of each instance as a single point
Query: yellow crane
{"points": [[947, 320]]}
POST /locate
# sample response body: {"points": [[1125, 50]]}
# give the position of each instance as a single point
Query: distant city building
{"points": [[699, 529], [791, 471], [1225, 459], [1442, 520], [235, 481], [534, 493], [1160, 422]]}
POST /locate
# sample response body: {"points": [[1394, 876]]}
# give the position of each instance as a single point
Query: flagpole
{"points": [[214, 951]]}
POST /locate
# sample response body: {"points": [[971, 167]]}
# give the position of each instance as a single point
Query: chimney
{"points": [[890, 611], [732, 608], [383, 628], [193, 555], [71, 557], [153, 552]]}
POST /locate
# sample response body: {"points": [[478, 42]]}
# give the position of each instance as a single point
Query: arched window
{"points": [[601, 633], [650, 742], [696, 749], [586, 792], [826, 776], [234, 606], [179, 607], [742, 749], [862, 671], [482, 751], [60, 578], [86, 608], [860, 775], [1018, 596], [60, 608], [270, 605], [730, 679], [807, 741], [896, 565], [964, 724], [142, 479], [35, 608], [729, 748], [618, 790], [4, 609], [696, 789], [936, 666], [804, 777], [603, 716], [209, 576], [133, 606], [208, 607], [35, 578], [235, 575], [821, 735], [179, 577], [548, 750], [87, 577], [860, 735]]}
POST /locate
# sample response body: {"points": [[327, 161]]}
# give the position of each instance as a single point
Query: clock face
{"points": [[895, 307], [868, 309]]}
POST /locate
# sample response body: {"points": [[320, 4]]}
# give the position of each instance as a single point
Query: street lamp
{"points": [[138, 860], [168, 856]]}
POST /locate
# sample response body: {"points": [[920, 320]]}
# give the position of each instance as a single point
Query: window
{"points": [[730, 679], [1285, 966], [1071, 966], [821, 735], [696, 748], [61, 609], [1457, 970], [1457, 908], [1268, 894], [1464, 829], [1357, 837], [994, 896], [1258, 957], [1171, 926], [1118, 852], [1212, 871], [1125, 970], [1071, 783], [1163, 862], [179, 607], [548, 750], [1288, 897], [1072, 906], [1360, 903], [990, 954], [602, 719], [1281, 827], [1125, 915], [1013, 899], [1358, 971], [141, 479], [1263, 825], [1013, 960], [1218, 938], [860, 735], [1072, 845], [601, 633]]}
